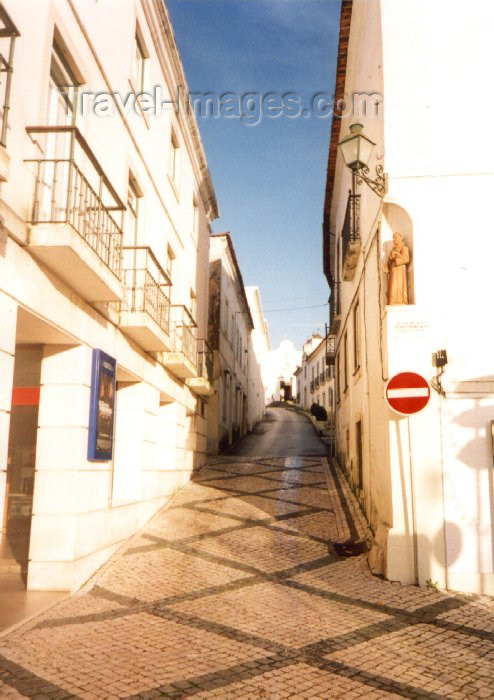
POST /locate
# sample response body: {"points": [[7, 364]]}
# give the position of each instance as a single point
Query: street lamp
{"points": [[356, 149]]}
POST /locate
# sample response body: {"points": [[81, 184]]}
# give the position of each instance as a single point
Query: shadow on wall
{"points": [[477, 455], [429, 554]]}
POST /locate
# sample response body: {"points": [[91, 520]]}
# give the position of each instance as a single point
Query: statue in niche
{"points": [[396, 268]]}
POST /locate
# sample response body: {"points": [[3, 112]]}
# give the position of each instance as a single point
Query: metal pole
{"points": [[414, 521]]}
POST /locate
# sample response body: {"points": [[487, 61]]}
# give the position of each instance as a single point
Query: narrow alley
{"points": [[233, 590]]}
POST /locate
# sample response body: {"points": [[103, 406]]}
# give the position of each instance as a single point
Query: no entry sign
{"points": [[407, 393]]}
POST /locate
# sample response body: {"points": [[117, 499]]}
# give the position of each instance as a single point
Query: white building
{"points": [[229, 334], [105, 213], [259, 348], [315, 376], [281, 363], [426, 481]]}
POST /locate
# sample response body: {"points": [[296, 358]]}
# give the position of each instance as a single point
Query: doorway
{"points": [[16, 526]]}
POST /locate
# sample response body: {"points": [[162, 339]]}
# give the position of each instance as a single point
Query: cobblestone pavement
{"points": [[232, 592]]}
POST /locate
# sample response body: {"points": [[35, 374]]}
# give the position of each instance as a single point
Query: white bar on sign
{"points": [[407, 393]]}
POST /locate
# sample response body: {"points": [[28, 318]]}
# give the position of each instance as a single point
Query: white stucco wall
{"points": [[82, 511], [429, 479]]}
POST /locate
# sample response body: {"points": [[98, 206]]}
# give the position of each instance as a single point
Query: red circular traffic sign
{"points": [[407, 393]]}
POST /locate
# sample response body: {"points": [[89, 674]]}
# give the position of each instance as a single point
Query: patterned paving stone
{"points": [[412, 654], [136, 652], [179, 523], [255, 507], [298, 680], [245, 484], [475, 615], [161, 573], [236, 595], [322, 525], [352, 579], [307, 495], [275, 612], [258, 548]]}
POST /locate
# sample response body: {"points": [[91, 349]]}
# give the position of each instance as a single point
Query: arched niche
{"points": [[397, 220]]}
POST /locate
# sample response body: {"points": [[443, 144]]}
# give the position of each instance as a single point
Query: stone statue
{"points": [[396, 267]]}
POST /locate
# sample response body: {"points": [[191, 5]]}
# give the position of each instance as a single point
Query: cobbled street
{"points": [[232, 591]]}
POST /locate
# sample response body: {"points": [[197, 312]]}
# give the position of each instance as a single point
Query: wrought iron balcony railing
{"points": [[351, 225], [204, 360], [182, 330], [8, 34], [316, 383], [351, 237], [146, 285], [71, 188], [335, 306], [322, 378], [330, 351]]}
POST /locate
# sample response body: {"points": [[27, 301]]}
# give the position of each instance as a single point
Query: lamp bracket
{"points": [[379, 185]]}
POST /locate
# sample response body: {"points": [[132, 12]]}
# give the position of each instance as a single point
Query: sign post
{"points": [[407, 393]]}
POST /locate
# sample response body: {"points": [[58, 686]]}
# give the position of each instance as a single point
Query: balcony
{"points": [[8, 35], [182, 358], [351, 237], [145, 309], [73, 230], [335, 308], [202, 385], [322, 378], [330, 352]]}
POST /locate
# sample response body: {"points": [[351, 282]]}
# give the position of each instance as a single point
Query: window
{"points": [[61, 108], [226, 318], [225, 396], [139, 64], [356, 336], [174, 159], [337, 378], [170, 257], [195, 216], [358, 441], [131, 228], [345, 362], [63, 88], [193, 304]]}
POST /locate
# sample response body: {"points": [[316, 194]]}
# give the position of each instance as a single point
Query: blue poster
{"points": [[102, 407]]}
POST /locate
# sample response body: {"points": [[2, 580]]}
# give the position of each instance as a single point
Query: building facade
{"points": [[229, 333], [281, 364], [105, 204], [259, 347], [315, 376], [425, 481]]}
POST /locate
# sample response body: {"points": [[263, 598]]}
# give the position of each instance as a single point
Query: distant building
{"points": [[259, 348], [315, 376], [229, 333], [425, 481], [281, 364], [104, 248]]}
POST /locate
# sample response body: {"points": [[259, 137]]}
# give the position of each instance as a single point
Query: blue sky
{"points": [[270, 177]]}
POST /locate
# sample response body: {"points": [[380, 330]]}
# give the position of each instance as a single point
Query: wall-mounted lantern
{"points": [[356, 149]]}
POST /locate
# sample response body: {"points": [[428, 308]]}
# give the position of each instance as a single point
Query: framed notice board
{"points": [[102, 407]]}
